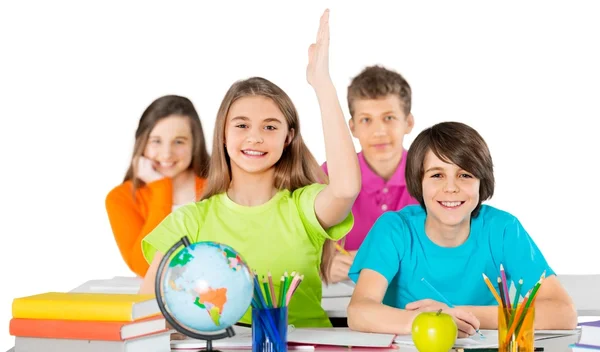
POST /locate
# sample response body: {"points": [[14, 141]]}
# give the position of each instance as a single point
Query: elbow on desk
{"points": [[568, 316], [563, 316], [571, 318], [355, 321]]}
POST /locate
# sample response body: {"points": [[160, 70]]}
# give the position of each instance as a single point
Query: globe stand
{"points": [[157, 283]]}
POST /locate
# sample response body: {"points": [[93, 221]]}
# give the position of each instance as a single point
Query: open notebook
{"points": [[489, 339], [299, 338]]}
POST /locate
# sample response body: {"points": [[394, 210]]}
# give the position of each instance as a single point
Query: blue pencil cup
{"points": [[269, 329]]}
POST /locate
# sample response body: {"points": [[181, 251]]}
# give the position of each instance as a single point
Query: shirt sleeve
{"points": [[383, 248], [304, 199], [184, 221], [127, 223], [522, 257]]}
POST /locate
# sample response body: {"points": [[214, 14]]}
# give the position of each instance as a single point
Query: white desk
{"points": [[336, 298], [559, 344]]}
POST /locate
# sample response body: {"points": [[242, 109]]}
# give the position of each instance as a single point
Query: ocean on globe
{"points": [[207, 286]]}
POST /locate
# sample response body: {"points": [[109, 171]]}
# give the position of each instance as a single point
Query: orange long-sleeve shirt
{"points": [[131, 219]]}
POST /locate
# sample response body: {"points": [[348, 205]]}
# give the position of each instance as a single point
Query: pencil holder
{"points": [[269, 329], [515, 329]]}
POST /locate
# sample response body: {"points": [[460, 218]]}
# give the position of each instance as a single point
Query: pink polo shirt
{"points": [[376, 197]]}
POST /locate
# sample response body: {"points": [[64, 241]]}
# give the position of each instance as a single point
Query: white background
{"points": [[75, 78]]}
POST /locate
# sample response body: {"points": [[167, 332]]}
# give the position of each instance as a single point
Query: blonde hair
{"points": [[296, 168]]}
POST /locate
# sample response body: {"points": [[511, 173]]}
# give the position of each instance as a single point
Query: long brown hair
{"points": [[159, 109], [296, 168]]}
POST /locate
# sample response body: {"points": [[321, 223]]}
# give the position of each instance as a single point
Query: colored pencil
{"points": [[267, 294], [272, 290], [505, 286], [512, 327], [341, 249], [528, 303], [518, 293], [291, 289], [492, 289], [503, 298]]}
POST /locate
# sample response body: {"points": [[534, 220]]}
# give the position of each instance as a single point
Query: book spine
{"points": [[71, 310]]}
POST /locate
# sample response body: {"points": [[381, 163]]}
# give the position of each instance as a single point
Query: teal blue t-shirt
{"points": [[398, 248]]}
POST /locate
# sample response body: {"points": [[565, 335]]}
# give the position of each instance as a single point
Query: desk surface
{"points": [[558, 344], [555, 344]]}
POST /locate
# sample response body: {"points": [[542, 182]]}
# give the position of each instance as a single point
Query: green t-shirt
{"points": [[280, 235]]}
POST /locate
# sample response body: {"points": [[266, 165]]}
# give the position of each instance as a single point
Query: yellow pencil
{"points": [[341, 250], [491, 287]]}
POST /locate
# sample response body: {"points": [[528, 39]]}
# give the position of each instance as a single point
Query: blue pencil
{"points": [[444, 300], [263, 305]]}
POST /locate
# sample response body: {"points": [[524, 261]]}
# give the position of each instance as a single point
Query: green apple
{"points": [[434, 332]]}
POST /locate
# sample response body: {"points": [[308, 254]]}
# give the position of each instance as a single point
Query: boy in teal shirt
{"points": [[448, 242]]}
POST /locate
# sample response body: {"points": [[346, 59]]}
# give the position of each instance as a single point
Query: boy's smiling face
{"points": [[380, 126], [450, 193]]}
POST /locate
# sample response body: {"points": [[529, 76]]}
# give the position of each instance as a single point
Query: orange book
{"points": [[85, 306], [86, 330]]}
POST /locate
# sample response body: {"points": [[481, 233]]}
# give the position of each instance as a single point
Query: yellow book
{"points": [[85, 306]]}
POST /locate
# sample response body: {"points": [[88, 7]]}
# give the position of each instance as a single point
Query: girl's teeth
{"points": [[252, 152]]}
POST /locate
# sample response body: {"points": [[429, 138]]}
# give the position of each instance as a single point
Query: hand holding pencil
{"points": [[340, 266]]}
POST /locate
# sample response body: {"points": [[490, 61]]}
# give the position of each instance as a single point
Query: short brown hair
{"points": [[376, 82], [452, 142]]}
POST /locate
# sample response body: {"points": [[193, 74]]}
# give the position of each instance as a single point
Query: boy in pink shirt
{"points": [[379, 101]]}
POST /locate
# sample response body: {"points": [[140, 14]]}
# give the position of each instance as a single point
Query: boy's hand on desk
{"points": [[466, 322], [426, 305], [340, 267]]}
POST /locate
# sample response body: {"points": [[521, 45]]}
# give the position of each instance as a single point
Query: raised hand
{"points": [[317, 71], [145, 170]]}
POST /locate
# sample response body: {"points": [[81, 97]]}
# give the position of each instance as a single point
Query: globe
{"points": [[204, 287]]}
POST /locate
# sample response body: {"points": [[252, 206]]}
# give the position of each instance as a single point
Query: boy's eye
{"points": [[388, 118], [365, 120]]}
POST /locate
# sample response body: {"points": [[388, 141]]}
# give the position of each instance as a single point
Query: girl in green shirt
{"points": [[263, 195]]}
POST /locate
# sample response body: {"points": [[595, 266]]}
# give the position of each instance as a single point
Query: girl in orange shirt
{"points": [[168, 169]]}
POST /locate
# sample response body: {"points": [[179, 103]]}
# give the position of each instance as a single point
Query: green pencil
{"points": [[281, 288], [267, 293], [527, 304], [286, 286], [516, 300]]}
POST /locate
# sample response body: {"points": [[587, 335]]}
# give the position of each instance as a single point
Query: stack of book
{"points": [[590, 337], [88, 322]]}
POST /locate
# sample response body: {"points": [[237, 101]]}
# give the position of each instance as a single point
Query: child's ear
{"points": [[410, 123], [351, 125], [290, 137]]}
